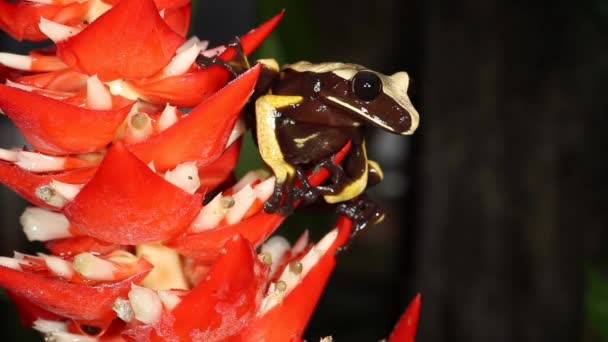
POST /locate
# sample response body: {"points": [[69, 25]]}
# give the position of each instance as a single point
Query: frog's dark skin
{"points": [[313, 128]]}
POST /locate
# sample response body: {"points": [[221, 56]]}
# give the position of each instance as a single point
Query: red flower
{"points": [[118, 174]]}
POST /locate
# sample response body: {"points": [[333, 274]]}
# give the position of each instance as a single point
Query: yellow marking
{"points": [[374, 166], [270, 63], [301, 141], [270, 150], [352, 189]]}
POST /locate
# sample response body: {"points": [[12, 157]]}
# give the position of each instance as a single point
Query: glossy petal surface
{"points": [[127, 203], [56, 127], [141, 43]]}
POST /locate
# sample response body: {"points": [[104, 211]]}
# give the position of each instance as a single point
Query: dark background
{"points": [[497, 205]]}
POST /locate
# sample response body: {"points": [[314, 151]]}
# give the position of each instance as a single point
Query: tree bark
{"points": [[509, 187]]}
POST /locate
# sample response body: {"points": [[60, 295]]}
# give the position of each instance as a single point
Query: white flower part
{"points": [[9, 155], [19, 85], [182, 61], [96, 9], [276, 246], [121, 257], [264, 190], [238, 131], [250, 177], [19, 62], [57, 265], [38, 162], [69, 337], [167, 118], [55, 31], [43, 225], [169, 299], [146, 304], [98, 97], [10, 263], [20, 257], [185, 177], [124, 89], [194, 40], [46, 326], [290, 279], [210, 216], [242, 201], [92, 267], [123, 309], [161, 13], [43, 2], [50, 196], [327, 339], [139, 125], [168, 272], [188, 44], [300, 244], [214, 52], [68, 191]]}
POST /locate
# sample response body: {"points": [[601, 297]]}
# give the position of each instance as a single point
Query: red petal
{"points": [[252, 39], [206, 244], [159, 3], [202, 134], [55, 127], [127, 203], [191, 88], [405, 330], [186, 90], [178, 18], [76, 301], [218, 171], [129, 41], [288, 319], [25, 183], [80, 244], [28, 311], [21, 19], [221, 305], [62, 80]]}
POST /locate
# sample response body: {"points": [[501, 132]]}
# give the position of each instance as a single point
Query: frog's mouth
{"points": [[382, 112]]}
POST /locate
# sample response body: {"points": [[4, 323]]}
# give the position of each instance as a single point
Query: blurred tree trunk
{"points": [[512, 166]]}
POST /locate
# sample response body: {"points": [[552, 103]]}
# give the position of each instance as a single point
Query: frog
{"points": [[305, 113]]}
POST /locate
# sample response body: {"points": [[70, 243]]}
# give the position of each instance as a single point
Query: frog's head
{"points": [[371, 96]]}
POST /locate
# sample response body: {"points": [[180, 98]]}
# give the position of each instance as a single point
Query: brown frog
{"points": [[308, 112]]}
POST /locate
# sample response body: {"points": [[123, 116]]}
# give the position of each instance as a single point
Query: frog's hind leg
{"points": [[266, 113], [375, 174], [364, 212], [343, 189]]}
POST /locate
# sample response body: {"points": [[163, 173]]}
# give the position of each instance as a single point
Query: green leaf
{"points": [[596, 302]]}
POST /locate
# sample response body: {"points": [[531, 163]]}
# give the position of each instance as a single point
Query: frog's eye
{"points": [[366, 85]]}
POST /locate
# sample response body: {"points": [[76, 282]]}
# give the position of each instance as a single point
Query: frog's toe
{"points": [[282, 200]]}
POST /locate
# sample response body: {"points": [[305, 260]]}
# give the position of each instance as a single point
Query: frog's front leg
{"points": [[266, 115]]}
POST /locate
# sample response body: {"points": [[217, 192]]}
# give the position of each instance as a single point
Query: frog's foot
{"points": [[338, 178], [284, 198], [364, 212], [286, 195], [306, 192], [235, 66]]}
